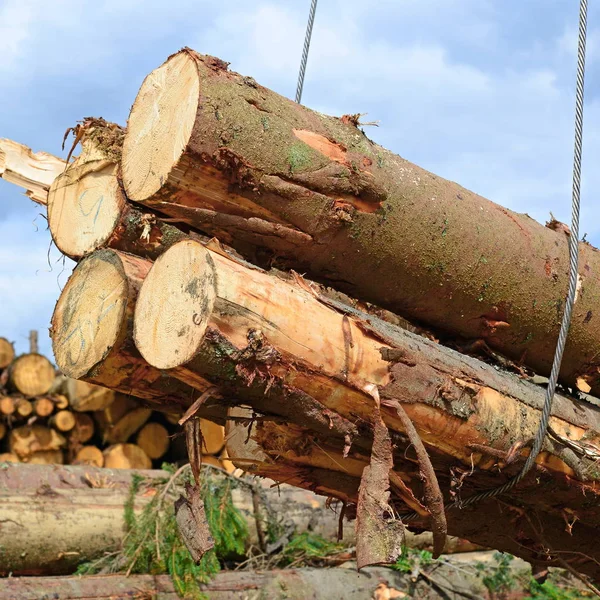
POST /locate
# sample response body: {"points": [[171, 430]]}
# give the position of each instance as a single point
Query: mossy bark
{"points": [[380, 228]]}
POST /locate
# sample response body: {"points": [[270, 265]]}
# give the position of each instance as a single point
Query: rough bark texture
{"points": [[289, 584], [374, 225], [54, 517], [475, 421]]}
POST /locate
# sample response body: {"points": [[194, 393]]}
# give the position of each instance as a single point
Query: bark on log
{"points": [[371, 223], [53, 518], [92, 328], [32, 374], [7, 353], [317, 584], [34, 171], [260, 340]]}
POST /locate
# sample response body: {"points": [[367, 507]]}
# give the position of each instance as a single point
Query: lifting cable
{"points": [[572, 293], [573, 262], [304, 60]]}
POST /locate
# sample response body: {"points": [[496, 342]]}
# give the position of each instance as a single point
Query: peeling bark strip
{"points": [[434, 501], [379, 535], [378, 227], [192, 524]]}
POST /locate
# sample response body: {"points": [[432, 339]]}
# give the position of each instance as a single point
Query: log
{"points": [[153, 439], [43, 407], [355, 215], [33, 342], [92, 331], [32, 374], [63, 420], [46, 457], [213, 436], [126, 456], [79, 514], [247, 333], [23, 407], [109, 417], [8, 457], [85, 396], [34, 171], [89, 455], [24, 441], [83, 430], [7, 353], [314, 583], [127, 425], [7, 405], [88, 210], [61, 401]]}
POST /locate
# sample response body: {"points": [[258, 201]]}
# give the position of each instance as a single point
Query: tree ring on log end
{"points": [[88, 319], [84, 206], [174, 305], [160, 125]]}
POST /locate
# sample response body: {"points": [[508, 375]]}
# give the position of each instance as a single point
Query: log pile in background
{"points": [[156, 310], [48, 418]]}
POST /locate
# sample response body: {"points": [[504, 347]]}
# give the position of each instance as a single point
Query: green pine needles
{"points": [[152, 543]]}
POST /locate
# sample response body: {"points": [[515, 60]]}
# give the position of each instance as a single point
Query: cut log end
{"points": [[153, 439], [90, 455], [168, 330], [43, 407], [89, 314], [153, 146], [32, 374], [84, 206], [7, 353], [126, 456], [64, 420]]}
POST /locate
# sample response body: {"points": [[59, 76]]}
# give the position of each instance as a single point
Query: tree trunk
{"points": [[373, 225], [32, 375], [53, 518], [314, 583], [280, 348], [92, 330]]}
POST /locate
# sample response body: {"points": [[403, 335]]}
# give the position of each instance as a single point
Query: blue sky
{"points": [[477, 91]]}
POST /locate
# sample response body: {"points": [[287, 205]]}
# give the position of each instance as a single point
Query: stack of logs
{"points": [[317, 389], [47, 418]]}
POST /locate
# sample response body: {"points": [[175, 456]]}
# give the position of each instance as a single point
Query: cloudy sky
{"points": [[478, 91]]}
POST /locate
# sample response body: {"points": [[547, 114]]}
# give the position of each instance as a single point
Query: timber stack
{"points": [[355, 380], [48, 418]]}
